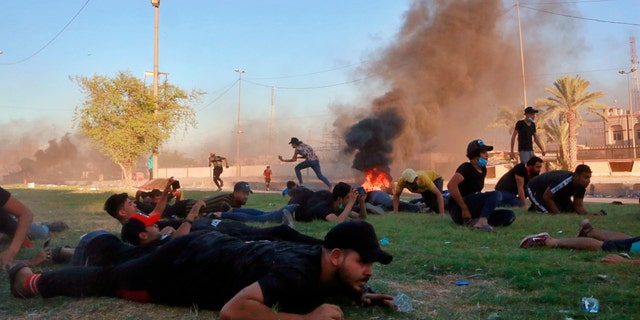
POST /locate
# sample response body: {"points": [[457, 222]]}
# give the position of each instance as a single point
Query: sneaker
{"points": [[374, 209], [536, 240], [56, 226], [287, 219], [585, 228]]}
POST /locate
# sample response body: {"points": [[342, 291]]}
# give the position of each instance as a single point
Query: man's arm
{"points": [[346, 212], [293, 158], [249, 304], [162, 203], [185, 227], [513, 141], [520, 187], [440, 198], [547, 197], [226, 163], [396, 202], [537, 141], [616, 259], [455, 194], [578, 204], [25, 218]]}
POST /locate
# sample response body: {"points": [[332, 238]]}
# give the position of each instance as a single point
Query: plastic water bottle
{"points": [[590, 305], [402, 302]]}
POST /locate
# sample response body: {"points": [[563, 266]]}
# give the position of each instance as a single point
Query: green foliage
{"points": [[507, 118], [430, 255], [123, 120], [569, 97]]}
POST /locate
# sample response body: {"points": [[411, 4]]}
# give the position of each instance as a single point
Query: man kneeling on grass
{"points": [[245, 280], [589, 238]]}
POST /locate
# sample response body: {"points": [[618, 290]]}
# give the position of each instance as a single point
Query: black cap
{"points": [[359, 236], [242, 186], [477, 146], [294, 140], [530, 110]]}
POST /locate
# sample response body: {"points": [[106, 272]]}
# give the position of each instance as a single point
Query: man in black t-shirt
{"points": [[334, 206], [552, 192], [257, 279], [470, 206], [512, 183], [12, 207], [526, 132]]}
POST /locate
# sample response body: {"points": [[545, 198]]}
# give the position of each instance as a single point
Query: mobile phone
{"points": [[360, 190], [46, 243]]}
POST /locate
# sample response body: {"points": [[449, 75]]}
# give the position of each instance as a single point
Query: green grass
{"points": [[430, 255]]}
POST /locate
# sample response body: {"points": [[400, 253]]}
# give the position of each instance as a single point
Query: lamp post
{"points": [[154, 151], [238, 167], [631, 126], [524, 82]]}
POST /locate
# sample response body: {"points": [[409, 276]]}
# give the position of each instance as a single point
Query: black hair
{"points": [[582, 168], [114, 203], [532, 162], [341, 190], [131, 231], [290, 184]]}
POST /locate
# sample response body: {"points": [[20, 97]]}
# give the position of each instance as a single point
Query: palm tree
{"points": [[569, 96], [507, 118], [558, 132]]}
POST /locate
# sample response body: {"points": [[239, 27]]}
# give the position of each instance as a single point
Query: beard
{"points": [[347, 283]]}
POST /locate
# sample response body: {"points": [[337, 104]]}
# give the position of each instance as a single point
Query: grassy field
{"points": [[430, 255]]}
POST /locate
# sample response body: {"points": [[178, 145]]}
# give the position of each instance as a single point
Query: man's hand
{"points": [[614, 259], [466, 215], [512, 155], [7, 258], [280, 157], [326, 311], [376, 299]]}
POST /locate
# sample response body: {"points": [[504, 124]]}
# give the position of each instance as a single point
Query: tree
{"points": [[120, 117], [507, 118], [569, 97]]}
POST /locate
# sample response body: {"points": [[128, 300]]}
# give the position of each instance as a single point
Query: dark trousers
{"points": [[217, 171], [483, 204], [431, 199]]}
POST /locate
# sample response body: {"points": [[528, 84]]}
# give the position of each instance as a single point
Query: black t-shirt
{"points": [[473, 180], [4, 196], [525, 135], [508, 183], [313, 205], [212, 267], [560, 182]]}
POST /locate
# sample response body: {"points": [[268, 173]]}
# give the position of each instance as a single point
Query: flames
{"points": [[376, 179]]}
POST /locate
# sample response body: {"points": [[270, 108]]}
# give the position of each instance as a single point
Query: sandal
{"points": [[13, 272], [485, 227], [585, 228]]}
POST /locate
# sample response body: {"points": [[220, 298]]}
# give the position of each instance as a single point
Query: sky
{"points": [[315, 54]]}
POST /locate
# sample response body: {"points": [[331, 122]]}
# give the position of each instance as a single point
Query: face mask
{"points": [[482, 162], [341, 206], [530, 119]]}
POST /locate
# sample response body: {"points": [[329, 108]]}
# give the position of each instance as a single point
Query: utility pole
{"points": [[154, 152], [524, 83], [239, 129]]}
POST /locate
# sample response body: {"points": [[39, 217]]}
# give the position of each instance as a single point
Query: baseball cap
{"points": [[242, 186], [409, 175], [530, 109], [477, 146], [359, 236], [148, 220], [294, 140]]}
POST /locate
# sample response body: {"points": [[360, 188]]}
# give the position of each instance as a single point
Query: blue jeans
{"points": [[509, 199], [315, 166], [483, 205], [382, 199], [255, 215]]}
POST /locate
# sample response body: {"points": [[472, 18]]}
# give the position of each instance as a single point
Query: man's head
{"points": [[341, 191], [294, 142], [530, 112], [352, 248], [582, 175], [478, 149], [534, 166], [409, 175], [120, 206], [241, 191], [141, 229]]}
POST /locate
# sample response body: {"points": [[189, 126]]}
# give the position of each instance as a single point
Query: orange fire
{"points": [[376, 179]]}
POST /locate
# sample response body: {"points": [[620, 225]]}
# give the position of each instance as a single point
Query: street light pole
{"points": [[154, 151], [632, 125], [524, 83], [238, 167]]}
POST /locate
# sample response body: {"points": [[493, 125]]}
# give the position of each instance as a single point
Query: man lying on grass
{"points": [[245, 280], [589, 238]]}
